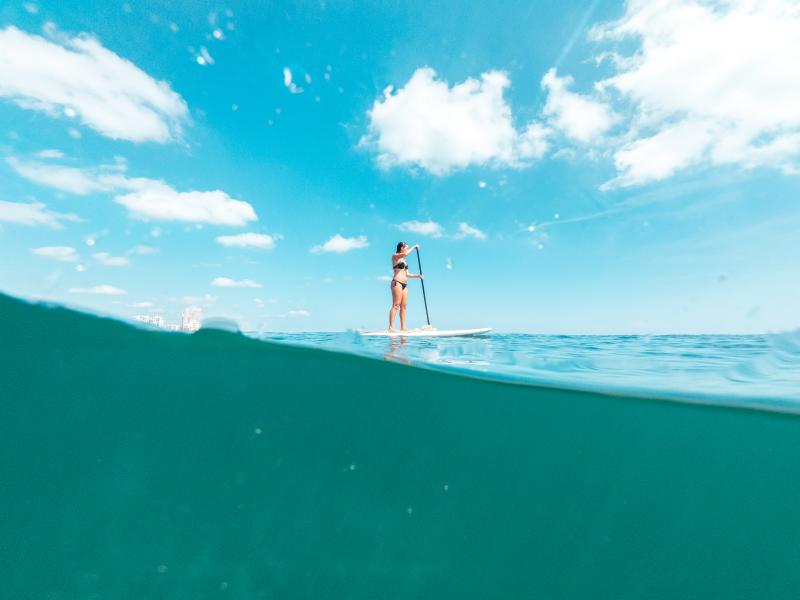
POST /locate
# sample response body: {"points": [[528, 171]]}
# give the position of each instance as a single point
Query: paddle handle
{"points": [[422, 281]]}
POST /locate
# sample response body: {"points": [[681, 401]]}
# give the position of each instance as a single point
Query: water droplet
{"points": [[258, 430]]}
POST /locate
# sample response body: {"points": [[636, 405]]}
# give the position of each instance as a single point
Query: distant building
{"points": [[154, 320], [191, 317]]}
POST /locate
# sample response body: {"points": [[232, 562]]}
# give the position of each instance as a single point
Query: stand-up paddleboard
{"points": [[428, 332]]}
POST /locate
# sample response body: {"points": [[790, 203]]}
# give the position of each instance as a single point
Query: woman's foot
{"points": [[392, 330]]}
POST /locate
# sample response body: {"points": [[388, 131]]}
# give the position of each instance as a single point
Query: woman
{"points": [[399, 284]]}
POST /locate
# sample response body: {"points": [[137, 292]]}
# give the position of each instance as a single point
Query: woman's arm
{"points": [[410, 250], [412, 276]]}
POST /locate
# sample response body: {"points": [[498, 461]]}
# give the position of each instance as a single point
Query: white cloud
{"points": [[297, 313], [145, 199], [33, 213], [431, 228], [160, 202], [50, 153], [439, 128], [578, 116], [106, 259], [62, 253], [248, 240], [142, 305], [79, 78], [384, 278], [339, 244], [227, 282], [709, 83], [661, 155], [467, 230], [100, 290], [67, 179]]}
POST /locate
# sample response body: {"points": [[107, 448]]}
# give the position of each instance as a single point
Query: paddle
{"points": [[422, 281]]}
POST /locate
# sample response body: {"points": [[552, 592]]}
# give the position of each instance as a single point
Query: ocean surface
{"points": [[137, 464], [750, 370]]}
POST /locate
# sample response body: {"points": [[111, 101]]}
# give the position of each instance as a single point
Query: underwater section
{"points": [[137, 464]]}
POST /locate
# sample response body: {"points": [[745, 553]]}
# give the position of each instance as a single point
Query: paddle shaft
{"points": [[422, 281]]}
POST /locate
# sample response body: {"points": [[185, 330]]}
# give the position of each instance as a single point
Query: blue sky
{"points": [[583, 167]]}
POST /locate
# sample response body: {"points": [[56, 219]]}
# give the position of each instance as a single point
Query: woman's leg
{"points": [[403, 302], [397, 300]]}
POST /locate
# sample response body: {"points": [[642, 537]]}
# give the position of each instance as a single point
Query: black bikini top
{"points": [[400, 265]]}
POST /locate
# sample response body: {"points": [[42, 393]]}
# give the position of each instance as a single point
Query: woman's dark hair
{"points": [[400, 246]]}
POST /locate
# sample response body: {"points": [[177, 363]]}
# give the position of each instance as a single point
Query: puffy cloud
{"points": [[100, 290], [297, 313], [62, 253], [79, 78], [108, 260], [466, 230], [33, 213], [431, 228], [710, 83], [439, 128], [227, 282], [579, 117], [145, 199], [339, 244], [248, 240], [158, 201], [661, 155]]}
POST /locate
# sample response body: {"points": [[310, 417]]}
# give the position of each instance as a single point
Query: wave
{"points": [[139, 464]]}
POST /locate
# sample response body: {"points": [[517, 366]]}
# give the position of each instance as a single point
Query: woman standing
{"points": [[399, 284]]}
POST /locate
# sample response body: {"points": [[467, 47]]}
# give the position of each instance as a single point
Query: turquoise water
{"points": [[751, 370], [138, 464]]}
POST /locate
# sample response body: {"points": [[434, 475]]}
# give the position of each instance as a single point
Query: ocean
{"points": [[748, 370], [143, 464]]}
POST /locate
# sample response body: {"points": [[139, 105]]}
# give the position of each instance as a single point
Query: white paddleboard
{"points": [[428, 332]]}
